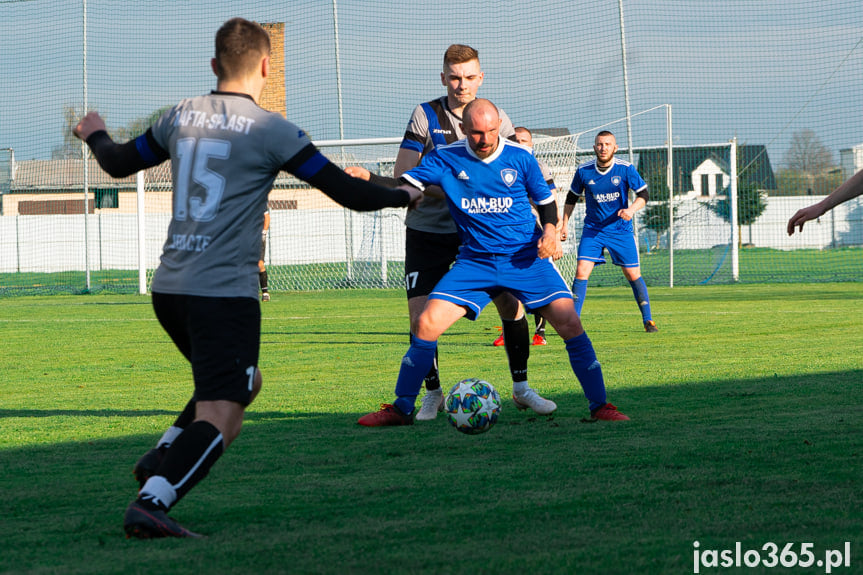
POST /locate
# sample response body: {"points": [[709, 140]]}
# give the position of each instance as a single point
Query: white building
{"points": [[709, 179], [851, 161]]}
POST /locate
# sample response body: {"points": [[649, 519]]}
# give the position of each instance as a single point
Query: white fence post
{"points": [[735, 230], [142, 236]]}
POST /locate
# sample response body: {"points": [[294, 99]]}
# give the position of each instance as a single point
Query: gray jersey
{"points": [[225, 154], [433, 124], [546, 175]]}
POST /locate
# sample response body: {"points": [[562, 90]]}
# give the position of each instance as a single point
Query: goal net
{"points": [[784, 80]]}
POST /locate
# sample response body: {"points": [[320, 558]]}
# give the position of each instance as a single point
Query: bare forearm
{"points": [[638, 204], [851, 188]]}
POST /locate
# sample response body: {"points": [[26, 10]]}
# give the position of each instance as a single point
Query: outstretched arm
{"points": [[852, 188], [119, 160], [356, 193], [409, 159], [359, 194]]}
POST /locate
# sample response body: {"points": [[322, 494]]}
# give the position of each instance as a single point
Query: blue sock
{"points": [[586, 368], [579, 292], [639, 290], [415, 365]]}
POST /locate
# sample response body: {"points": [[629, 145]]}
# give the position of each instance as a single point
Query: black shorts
{"points": [[428, 257], [220, 337]]}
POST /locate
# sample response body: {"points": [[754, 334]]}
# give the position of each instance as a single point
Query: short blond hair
{"points": [[459, 54]]}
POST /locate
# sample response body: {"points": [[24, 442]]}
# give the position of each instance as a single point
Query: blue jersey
{"points": [[489, 199], [605, 193]]}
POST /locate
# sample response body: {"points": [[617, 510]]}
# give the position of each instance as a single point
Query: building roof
{"points": [[550, 132], [752, 159], [65, 175], [34, 175]]}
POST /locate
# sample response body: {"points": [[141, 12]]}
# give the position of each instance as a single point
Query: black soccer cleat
{"points": [[144, 523], [146, 466]]}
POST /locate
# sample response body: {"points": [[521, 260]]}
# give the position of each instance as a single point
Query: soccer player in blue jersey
{"points": [[605, 183], [431, 239], [489, 184], [225, 153]]}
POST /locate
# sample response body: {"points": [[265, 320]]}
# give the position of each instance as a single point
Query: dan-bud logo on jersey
{"points": [[486, 205]]}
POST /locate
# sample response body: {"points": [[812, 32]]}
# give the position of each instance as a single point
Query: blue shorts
{"points": [[475, 279], [619, 243]]}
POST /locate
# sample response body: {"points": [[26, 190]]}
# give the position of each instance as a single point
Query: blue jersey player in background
{"points": [[489, 183], [604, 183]]}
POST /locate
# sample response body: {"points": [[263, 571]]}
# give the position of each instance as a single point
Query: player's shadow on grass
{"points": [[745, 451], [37, 413], [84, 413]]}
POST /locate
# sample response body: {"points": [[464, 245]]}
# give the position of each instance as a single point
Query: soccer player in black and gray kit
{"points": [[225, 153], [431, 240]]}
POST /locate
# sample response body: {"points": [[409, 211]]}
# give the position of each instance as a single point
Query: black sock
{"points": [[187, 416], [516, 339], [432, 378], [540, 324], [190, 458]]}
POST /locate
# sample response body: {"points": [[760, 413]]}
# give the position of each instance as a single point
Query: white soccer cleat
{"points": [[432, 403], [533, 400]]}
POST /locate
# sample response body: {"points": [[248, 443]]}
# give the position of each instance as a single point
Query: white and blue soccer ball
{"points": [[472, 406]]}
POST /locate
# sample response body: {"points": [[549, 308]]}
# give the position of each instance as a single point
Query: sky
{"points": [[758, 71]]}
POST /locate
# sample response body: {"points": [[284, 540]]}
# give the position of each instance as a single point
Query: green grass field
{"points": [[747, 426]]}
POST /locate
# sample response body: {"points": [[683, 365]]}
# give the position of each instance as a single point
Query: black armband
{"points": [[571, 198], [121, 160], [354, 193], [643, 194], [547, 213]]}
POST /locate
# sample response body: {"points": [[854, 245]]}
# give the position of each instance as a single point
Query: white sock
{"points": [[159, 490], [519, 387], [169, 436]]}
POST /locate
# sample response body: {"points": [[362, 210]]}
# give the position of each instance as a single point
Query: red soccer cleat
{"points": [[538, 339], [608, 413], [388, 415], [499, 341]]}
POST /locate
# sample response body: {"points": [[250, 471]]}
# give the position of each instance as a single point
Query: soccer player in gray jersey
{"points": [[225, 153], [431, 240]]}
